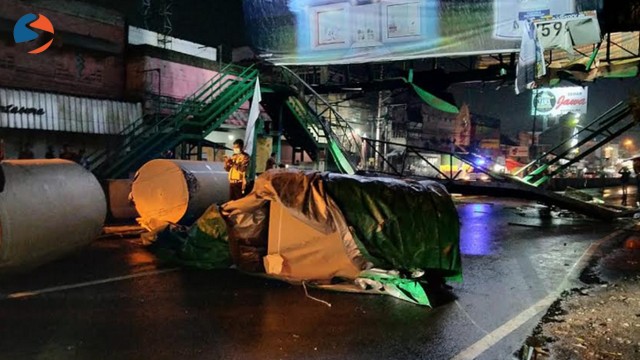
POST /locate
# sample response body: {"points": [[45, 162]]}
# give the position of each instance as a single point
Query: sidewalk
{"points": [[614, 196], [602, 319]]}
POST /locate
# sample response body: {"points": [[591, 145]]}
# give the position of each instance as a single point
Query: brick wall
{"points": [[86, 57]]}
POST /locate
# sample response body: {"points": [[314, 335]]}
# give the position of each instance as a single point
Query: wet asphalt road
{"points": [[187, 314]]}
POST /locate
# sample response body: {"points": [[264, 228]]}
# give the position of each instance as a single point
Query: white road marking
{"points": [[492, 338], [33, 293]]}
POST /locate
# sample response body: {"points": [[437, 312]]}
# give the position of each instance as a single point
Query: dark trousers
{"points": [[235, 191]]}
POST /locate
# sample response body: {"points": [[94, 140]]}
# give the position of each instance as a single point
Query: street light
{"points": [[575, 119], [629, 146]]}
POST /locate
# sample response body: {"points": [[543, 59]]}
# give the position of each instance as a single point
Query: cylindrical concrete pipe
{"points": [[48, 208], [117, 191], [178, 191]]}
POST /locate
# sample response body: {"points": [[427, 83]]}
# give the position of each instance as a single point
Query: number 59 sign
{"points": [[567, 31], [547, 29]]}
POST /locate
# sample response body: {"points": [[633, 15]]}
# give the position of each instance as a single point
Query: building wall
{"points": [[360, 113], [86, 57], [485, 132], [15, 139], [177, 80], [443, 129], [174, 80], [138, 36]]}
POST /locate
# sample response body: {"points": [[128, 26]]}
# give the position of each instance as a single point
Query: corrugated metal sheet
{"points": [[42, 111]]}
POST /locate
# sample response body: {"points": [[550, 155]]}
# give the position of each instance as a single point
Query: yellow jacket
{"points": [[237, 167]]}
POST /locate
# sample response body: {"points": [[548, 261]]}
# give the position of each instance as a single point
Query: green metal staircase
{"points": [[610, 125], [302, 130], [311, 123], [200, 114]]}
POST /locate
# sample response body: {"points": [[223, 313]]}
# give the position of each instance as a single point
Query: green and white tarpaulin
{"points": [[333, 226]]}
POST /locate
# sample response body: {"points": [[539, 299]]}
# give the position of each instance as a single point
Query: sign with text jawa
{"points": [[559, 101]]}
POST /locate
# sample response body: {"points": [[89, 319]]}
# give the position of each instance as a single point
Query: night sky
{"points": [[208, 22]]}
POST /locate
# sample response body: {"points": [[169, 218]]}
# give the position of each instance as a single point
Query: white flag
{"points": [[254, 114]]}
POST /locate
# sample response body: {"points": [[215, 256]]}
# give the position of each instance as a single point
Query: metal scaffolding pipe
{"points": [[48, 208], [177, 191]]}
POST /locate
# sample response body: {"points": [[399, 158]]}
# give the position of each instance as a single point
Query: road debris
{"points": [[599, 321]]}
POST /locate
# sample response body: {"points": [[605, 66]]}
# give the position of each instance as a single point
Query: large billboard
{"points": [[355, 31]]}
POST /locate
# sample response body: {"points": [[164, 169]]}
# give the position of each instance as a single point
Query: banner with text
{"points": [[356, 31], [559, 101], [518, 151]]}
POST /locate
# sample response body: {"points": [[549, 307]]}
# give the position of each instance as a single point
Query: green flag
{"points": [[430, 99], [435, 102]]}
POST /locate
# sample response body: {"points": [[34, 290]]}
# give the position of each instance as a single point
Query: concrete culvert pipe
{"points": [[48, 208], [178, 191]]}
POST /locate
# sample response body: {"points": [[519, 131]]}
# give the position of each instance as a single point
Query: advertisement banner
{"points": [[531, 63], [308, 32], [490, 144], [559, 101], [518, 151]]}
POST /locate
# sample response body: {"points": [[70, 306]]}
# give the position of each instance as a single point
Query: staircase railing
{"points": [[608, 126], [209, 103], [401, 166], [307, 120], [230, 97], [344, 142], [143, 124]]}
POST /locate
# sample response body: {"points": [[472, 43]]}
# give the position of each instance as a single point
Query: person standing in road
{"points": [[636, 169], [271, 162], [625, 176], [67, 153], [50, 153], [26, 153], [83, 159], [237, 166]]}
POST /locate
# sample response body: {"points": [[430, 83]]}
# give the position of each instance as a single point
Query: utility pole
{"points": [[379, 149], [162, 15], [533, 152], [166, 12]]}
